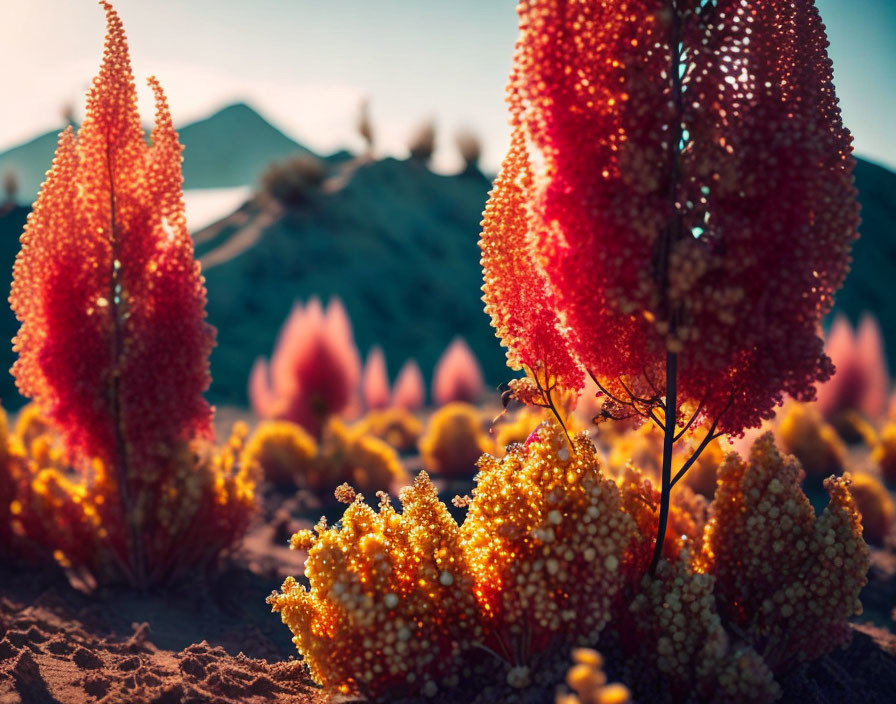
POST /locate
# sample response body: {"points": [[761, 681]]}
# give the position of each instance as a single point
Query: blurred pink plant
{"points": [[409, 392], [861, 381], [457, 376], [314, 370], [375, 380]]}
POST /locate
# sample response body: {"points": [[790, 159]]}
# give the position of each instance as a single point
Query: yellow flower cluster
{"points": [[540, 560], [683, 635], [454, 440], [7, 490], [804, 433], [788, 580], [587, 679], [875, 505], [282, 450], [884, 453], [346, 455], [391, 603], [643, 448], [288, 456], [192, 509], [397, 426], [527, 418], [547, 541], [551, 549], [687, 517]]}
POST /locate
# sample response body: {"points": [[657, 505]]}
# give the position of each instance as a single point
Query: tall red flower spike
{"points": [[457, 376], [113, 344], [409, 391], [314, 370], [862, 380], [375, 380], [687, 191], [675, 212]]}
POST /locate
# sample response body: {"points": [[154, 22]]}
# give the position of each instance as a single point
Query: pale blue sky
{"points": [[307, 63]]}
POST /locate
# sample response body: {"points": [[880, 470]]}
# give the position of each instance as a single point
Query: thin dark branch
{"points": [[690, 422], [646, 401], [656, 391], [606, 393], [546, 394]]}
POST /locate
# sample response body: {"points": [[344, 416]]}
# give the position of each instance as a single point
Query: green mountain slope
{"points": [[30, 162], [227, 149], [231, 148]]}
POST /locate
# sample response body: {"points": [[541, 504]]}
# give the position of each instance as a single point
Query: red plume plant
{"points": [[409, 391], [113, 344], [861, 382], [314, 370], [457, 376], [375, 380], [675, 212]]}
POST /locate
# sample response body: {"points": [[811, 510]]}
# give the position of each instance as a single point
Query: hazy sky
{"points": [[306, 64]]}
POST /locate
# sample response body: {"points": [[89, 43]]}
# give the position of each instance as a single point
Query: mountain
{"points": [[231, 148], [30, 162], [225, 150]]}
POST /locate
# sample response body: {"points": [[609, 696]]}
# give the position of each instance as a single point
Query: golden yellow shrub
{"points": [[347, 455], [397, 426], [390, 604], [884, 453], [874, 504], [804, 433], [788, 580], [682, 634], [546, 539], [454, 440], [283, 452], [587, 679]]}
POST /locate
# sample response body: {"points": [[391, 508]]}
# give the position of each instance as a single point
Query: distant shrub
{"points": [[375, 380], [396, 426], [457, 376], [875, 505], [409, 391], [314, 370], [861, 381], [884, 453], [470, 148], [350, 455], [804, 433], [422, 144], [292, 181], [365, 126], [454, 440], [282, 451], [10, 187]]}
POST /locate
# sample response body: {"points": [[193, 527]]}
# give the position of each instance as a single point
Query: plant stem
{"points": [[668, 443]]}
